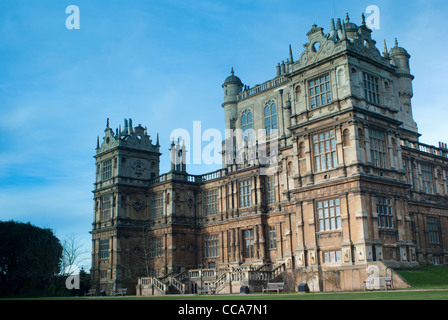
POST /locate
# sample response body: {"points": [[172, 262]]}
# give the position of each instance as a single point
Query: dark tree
{"points": [[29, 258]]}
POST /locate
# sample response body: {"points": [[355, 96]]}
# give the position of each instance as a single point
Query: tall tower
{"points": [[232, 87], [400, 58], [125, 162]]}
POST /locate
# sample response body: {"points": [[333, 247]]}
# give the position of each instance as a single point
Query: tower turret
{"points": [[400, 58], [232, 86]]}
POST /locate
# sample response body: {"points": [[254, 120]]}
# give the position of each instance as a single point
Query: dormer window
{"points": [[320, 91]]}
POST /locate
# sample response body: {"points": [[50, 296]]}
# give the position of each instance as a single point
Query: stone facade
{"points": [[352, 185]]}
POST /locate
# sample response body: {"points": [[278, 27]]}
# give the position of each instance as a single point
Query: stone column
{"points": [[256, 243], [262, 242], [259, 197]]}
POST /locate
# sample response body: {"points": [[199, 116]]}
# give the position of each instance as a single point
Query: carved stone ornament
{"points": [[138, 167], [137, 206]]}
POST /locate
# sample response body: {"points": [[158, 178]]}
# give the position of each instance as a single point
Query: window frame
{"points": [[270, 189], [427, 178], [106, 208], [249, 243], [157, 206], [332, 256], [328, 219], [106, 170], [315, 96], [371, 85], [384, 209], [245, 193], [155, 247], [272, 237], [321, 153], [271, 116], [211, 246], [246, 125], [433, 230], [104, 249], [210, 202], [378, 141]]}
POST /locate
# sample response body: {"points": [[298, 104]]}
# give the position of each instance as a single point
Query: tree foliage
{"points": [[29, 258]]}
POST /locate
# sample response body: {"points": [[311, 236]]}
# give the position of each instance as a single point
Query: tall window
{"points": [[248, 243], [107, 170], [247, 125], [157, 206], [378, 148], [271, 190], [104, 249], [211, 246], [427, 179], [371, 88], [329, 213], [245, 194], [384, 210], [155, 247], [210, 202], [324, 151], [106, 208], [433, 230], [320, 91], [272, 238], [270, 116]]}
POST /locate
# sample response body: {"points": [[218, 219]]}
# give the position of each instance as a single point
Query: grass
{"points": [[428, 277]]}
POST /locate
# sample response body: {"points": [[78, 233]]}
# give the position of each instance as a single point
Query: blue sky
{"points": [[162, 64]]}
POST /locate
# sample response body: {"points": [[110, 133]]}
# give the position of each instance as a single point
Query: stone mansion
{"points": [[352, 185]]}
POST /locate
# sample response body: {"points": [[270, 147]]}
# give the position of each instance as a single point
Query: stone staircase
{"points": [[227, 280]]}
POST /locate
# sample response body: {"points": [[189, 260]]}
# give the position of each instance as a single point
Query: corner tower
{"points": [[232, 87], [400, 59], [126, 160]]}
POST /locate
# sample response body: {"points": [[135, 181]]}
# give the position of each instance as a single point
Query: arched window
{"points": [[247, 125], [270, 116]]}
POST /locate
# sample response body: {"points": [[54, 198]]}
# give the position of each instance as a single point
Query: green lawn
{"points": [[428, 277]]}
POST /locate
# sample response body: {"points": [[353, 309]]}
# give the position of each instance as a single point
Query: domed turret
{"points": [[232, 86], [232, 79], [350, 28], [400, 58]]}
